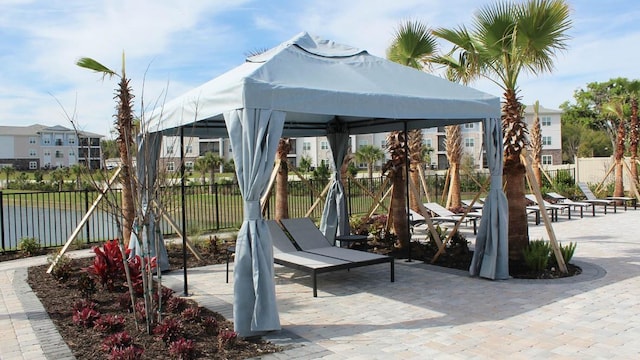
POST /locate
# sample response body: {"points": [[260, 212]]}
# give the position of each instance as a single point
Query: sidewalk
{"points": [[429, 312]]}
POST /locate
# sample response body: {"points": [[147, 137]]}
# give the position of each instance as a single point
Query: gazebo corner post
{"points": [[184, 213], [406, 183]]}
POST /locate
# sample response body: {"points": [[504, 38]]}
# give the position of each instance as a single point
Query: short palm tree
{"points": [[124, 127], [535, 142], [282, 180], [77, 170], [8, 170], [634, 88], [210, 163], [369, 155], [507, 39]]}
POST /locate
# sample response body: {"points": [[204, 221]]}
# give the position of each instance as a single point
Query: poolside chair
{"points": [[441, 214], [311, 241], [591, 198], [553, 208], [477, 206], [576, 204], [623, 199]]}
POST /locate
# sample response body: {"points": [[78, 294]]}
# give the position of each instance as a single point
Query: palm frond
{"points": [[93, 65], [412, 45]]}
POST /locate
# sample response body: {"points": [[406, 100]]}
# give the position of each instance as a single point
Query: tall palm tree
{"points": [[507, 39], [124, 127], [396, 170], [282, 180], [535, 142], [369, 155], [453, 146], [615, 107], [634, 88], [413, 46]]}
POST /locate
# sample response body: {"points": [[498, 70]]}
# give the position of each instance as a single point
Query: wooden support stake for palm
{"points": [[367, 192], [543, 213], [605, 176], [177, 229], [441, 247], [427, 217], [445, 191], [319, 199], [634, 183], [423, 182], [272, 180]]}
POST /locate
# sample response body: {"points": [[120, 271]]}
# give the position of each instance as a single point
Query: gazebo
{"points": [[308, 86]]}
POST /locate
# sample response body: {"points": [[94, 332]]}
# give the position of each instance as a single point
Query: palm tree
{"points": [[77, 170], [413, 46], [535, 141], [59, 175], [124, 127], [369, 155], [506, 40], [211, 163], [615, 107], [634, 88], [453, 145], [396, 168], [282, 180]]}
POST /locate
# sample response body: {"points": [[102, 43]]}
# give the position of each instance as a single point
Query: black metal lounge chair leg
{"points": [[230, 250], [393, 270], [314, 282], [475, 231]]}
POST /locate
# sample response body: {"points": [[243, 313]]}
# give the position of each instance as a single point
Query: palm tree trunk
{"points": [[514, 174], [125, 144], [619, 183], [399, 208], [282, 179], [453, 145], [633, 144], [454, 186], [536, 145], [415, 146], [212, 179]]}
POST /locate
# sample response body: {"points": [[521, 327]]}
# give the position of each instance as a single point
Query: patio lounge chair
{"points": [[591, 198], [312, 243], [623, 199], [441, 214], [558, 198], [554, 208]]}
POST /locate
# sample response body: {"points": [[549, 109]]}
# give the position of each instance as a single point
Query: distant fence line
{"points": [[51, 217]]}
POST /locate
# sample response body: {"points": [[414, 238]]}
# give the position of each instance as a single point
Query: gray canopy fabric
{"points": [[146, 168], [254, 136], [335, 220], [491, 255], [308, 86]]}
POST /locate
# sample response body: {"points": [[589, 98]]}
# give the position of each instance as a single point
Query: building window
{"points": [[468, 126], [324, 145], [469, 142], [58, 142], [33, 153], [71, 140], [47, 153], [188, 165], [170, 149], [306, 146], [72, 153], [189, 149], [546, 121], [546, 140], [171, 166], [362, 143], [32, 140], [383, 144], [59, 154], [46, 140], [33, 165], [547, 159], [428, 143]]}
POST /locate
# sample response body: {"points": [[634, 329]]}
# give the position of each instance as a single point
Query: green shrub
{"points": [[62, 269], [567, 254], [29, 246], [536, 255]]}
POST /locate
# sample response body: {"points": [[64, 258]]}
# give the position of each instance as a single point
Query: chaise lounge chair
{"points": [[592, 199], [554, 208], [623, 199], [315, 249], [558, 198], [441, 214]]}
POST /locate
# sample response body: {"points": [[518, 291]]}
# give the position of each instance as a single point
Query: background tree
{"points": [[77, 170], [210, 163], [615, 107], [634, 90], [535, 141], [507, 39], [369, 155], [8, 171], [59, 175], [109, 149], [305, 164], [124, 128], [282, 180]]}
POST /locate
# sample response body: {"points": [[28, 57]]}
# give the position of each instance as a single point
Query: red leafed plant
{"points": [[108, 323], [136, 271], [85, 317], [107, 267], [183, 349], [191, 314], [169, 330], [118, 340], [226, 338]]}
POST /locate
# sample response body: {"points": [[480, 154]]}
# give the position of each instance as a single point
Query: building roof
{"points": [[541, 110], [37, 128]]}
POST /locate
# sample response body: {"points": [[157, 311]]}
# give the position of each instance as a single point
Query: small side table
{"points": [[351, 239]]}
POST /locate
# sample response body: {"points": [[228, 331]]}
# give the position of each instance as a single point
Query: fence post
{"points": [[86, 210], [349, 197], [215, 196], [2, 219]]}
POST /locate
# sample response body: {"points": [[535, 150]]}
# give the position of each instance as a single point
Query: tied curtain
{"points": [[335, 220], [491, 258], [254, 136], [147, 239]]}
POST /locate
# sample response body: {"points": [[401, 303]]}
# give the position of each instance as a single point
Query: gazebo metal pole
{"points": [[184, 213], [406, 183]]}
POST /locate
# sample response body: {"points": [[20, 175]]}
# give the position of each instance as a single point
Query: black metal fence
{"points": [[51, 217]]}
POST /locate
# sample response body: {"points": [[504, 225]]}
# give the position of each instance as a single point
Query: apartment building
{"points": [[319, 151], [44, 147]]}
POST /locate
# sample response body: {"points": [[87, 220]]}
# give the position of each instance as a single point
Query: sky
{"points": [[174, 46]]}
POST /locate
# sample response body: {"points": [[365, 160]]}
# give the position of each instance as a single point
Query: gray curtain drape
{"points": [[146, 170], [335, 220], [254, 136], [491, 255]]}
